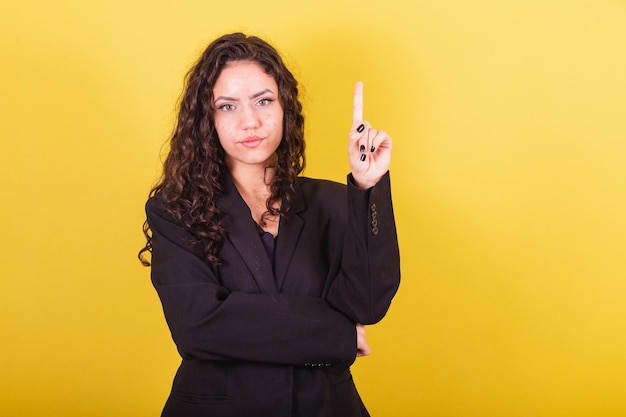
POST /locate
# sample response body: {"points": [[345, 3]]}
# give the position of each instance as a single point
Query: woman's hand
{"points": [[369, 150], [362, 348]]}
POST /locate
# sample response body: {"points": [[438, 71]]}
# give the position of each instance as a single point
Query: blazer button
{"points": [[374, 216]]}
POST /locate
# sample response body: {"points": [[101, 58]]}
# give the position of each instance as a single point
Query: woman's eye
{"points": [[227, 107], [265, 101]]}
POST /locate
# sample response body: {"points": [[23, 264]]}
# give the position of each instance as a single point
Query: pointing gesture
{"points": [[357, 106], [369, 150]]}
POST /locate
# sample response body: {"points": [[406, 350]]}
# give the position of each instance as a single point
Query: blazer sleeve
{"points": [[369, 276], [209, 322]]}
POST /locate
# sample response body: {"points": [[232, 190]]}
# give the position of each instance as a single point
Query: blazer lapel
{"points": [[288, 234], [242, 233]]}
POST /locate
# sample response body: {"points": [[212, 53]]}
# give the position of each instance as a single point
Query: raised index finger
{"points": [[357, 106]]}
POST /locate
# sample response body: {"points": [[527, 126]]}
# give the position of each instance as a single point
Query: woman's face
{"points": [[248, 114]]}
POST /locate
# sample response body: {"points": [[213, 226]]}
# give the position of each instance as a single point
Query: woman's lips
{"points": [[251, 141]]}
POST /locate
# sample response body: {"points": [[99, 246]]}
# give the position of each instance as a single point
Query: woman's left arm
{"points": [[370, 265]]}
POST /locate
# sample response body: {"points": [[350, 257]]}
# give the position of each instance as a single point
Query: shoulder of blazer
{"points": [[312, 191], [156, 211]]}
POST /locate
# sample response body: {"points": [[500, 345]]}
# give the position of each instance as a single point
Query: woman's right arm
{"points": [[207, 321]]}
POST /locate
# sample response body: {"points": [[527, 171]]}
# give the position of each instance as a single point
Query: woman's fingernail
{"points": [[362, 148], [360, 128], [372, 149], [363, 156]]}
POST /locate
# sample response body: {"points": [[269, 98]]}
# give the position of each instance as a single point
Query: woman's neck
{"points": [[253, 183], [252, 180]]}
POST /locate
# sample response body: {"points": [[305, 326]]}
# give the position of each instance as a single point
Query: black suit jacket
{"points": [[276, 340]]}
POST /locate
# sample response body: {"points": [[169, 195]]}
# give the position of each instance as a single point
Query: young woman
{"points": [[266, 278]]}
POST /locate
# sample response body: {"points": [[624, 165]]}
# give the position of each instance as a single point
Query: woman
{"points": [[266, 278]]}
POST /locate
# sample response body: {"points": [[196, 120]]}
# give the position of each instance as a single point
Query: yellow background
{"points": [[509, 181]]}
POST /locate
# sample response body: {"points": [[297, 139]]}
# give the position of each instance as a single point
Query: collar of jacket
{"points": [[241, 232]]}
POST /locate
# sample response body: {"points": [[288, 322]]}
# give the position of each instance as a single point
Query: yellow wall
{"points": [[509, 174]]}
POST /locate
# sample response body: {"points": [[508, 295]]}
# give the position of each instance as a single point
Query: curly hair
{"points": [[193, 172]]}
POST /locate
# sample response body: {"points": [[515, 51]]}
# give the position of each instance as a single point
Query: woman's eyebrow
{"points": [[225, 98], [260, 93]]}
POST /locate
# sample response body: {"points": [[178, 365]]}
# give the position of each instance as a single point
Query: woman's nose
{"points": [[249, 118]]}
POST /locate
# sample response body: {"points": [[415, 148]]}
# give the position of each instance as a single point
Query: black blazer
{"points": [[276, 340]]}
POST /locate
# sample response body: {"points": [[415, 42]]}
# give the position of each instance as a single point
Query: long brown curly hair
{"points": [[192, 179]]}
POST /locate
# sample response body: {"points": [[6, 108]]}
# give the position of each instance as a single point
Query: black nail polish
{"points": [[362, 148], [372, 149], [360, 128], [363, 156]]}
